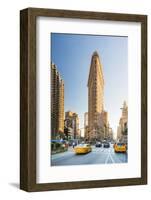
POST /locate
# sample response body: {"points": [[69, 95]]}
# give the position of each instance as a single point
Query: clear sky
{"points": [[72, 54]]}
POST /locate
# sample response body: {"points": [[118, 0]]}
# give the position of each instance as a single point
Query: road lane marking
{"points": [[113, 161]]}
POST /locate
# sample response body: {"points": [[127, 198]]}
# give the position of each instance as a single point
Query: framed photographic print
{"points": [[83, 99]]}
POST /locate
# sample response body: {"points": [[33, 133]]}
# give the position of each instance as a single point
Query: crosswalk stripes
{"points": [[102, 150]]}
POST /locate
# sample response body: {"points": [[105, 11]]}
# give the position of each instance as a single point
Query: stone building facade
{"points": [[57, 104], [97, 116], [122, 129], [86, 136], [72, 123]]}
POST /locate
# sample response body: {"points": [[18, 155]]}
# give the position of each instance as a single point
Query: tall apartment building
{"points": [[57, 104], [86, 130], [111, 134], [122, 129]]}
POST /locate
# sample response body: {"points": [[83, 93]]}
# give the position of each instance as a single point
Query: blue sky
{"points": [[72, 54]]}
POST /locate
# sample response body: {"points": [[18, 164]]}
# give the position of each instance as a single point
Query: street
{"points": [[99, 155]]}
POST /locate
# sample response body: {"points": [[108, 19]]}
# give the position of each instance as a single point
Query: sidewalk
{"points": [[71, 149]]}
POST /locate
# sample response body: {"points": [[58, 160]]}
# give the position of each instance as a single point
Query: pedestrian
{"points": [[73, 144]]}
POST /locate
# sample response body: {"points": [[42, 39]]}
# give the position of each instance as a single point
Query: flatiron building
{"points": [[96, 99]]}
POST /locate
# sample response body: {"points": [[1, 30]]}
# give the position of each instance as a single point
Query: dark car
{"points": [[106, 145], [98, 144]]}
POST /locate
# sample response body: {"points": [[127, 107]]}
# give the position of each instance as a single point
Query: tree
{"points": [[66, 132]]}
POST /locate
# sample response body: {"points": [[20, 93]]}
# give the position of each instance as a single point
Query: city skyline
{"points": [[72, 55]]}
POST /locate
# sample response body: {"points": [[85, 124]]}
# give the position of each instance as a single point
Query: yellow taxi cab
{"points": [[83, 148], [120, 147]]}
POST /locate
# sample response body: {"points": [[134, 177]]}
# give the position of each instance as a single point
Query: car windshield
{"points": [[83, 145], [120, 144]]}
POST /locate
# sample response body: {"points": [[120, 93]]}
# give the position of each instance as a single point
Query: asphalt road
{"points": [[97, 156]]}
